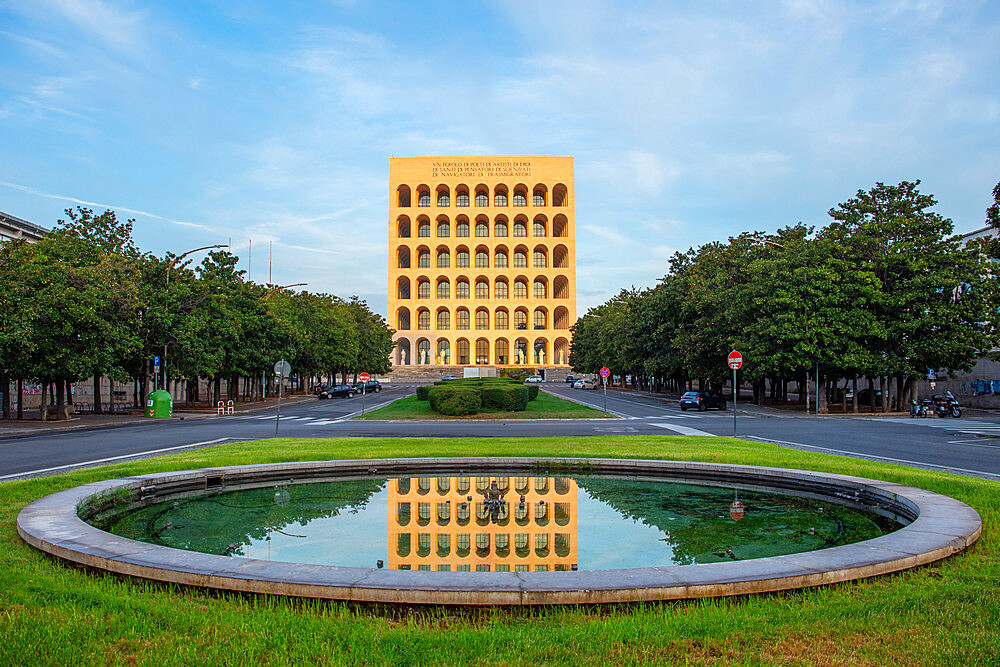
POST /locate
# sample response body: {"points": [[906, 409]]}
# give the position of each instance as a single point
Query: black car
{"points": [[570, 380], [702, 400], [337, 391], [370, 387]]}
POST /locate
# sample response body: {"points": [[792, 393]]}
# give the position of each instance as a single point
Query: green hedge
{"points": [[505, 399], [532, 391], [422, 392], [455, 400]]}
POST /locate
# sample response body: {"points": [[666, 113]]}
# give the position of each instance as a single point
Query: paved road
{"points": [[962, 445]]}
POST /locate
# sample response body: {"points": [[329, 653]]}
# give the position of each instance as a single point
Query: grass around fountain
{"points": [[946, 613], [546, 406]]}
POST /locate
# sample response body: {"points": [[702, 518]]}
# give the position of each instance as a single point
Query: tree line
{"points": [[86, 302], [882, 293]]}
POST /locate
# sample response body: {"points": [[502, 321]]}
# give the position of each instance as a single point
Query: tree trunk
{"points": [[60, 399], [5, 383], [821, 400], [97, 393], [20, 398], [884, 386], [43, 405], [854, 398]]}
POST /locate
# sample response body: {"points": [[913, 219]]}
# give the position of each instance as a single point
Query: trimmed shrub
{"points": [[455, 400], [532, 391], [505, 399], [422, 392]]}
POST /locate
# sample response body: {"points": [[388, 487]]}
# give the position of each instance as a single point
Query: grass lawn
{"points": [[546, 406], [947, 613]]}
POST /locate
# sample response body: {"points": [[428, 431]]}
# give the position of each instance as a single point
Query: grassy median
{"points": [[947, 613], [546, 406]]}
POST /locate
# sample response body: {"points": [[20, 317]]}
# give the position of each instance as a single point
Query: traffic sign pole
{"points": [[364, 377], [281, 368], [734, 402], [735, 360], [605, 372]]}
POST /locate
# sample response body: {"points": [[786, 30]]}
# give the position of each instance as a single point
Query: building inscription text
{"points": [[481, 168]]}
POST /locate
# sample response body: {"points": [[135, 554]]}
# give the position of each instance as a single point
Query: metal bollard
{"points": [[220, 409]]}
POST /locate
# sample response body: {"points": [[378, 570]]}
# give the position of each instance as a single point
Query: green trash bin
{"points": [[159, 405]]}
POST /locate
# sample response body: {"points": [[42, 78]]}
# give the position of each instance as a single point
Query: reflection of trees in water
{"points": [[221, 523], [696, 524]]}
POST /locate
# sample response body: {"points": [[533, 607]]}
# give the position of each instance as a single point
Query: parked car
{"points": [[450, 377], [337, 391], [533, 379], [584, 383], [702, 400], [370, 387], [570, 379]]}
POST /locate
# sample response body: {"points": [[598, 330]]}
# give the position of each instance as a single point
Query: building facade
{"points": [[12, 229], [483, 524], [482, 260]]}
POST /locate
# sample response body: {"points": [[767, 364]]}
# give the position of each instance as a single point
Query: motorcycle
{"points": [[919, 409], [946, 405]]}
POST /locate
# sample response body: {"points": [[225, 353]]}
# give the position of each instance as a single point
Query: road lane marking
{"points": [[115, 458], [683, 430], [873, 457]]}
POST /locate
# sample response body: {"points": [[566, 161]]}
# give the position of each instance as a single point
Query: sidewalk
{"points": [[28, 427]]}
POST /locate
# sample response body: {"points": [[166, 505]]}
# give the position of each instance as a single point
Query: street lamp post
{"points": [[166, 305], [263, 383]]}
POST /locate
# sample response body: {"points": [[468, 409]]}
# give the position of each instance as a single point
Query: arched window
{"points": [[500, 289], [443, 259], [443, 198], [560, 287], [424, 320], [424, 289], [482, 259], [444, 229], [500, 199], [538, 289], [538, 198], [500, 352], [443, 290], [424, 259], [538, 259], [520, 319], [444, 320], [500, 228], [541, 351], [560, 225], [462, 289], [424, 352], [520, 228], [403, 288], [482, 229], [424, 198], [403, 319], [462, 319], [482, 351], [462, 228], [500, 259], [538, 228], [540, 319], [403, 227], [482, 198], [424, 228], [520, 289], [559, 195], [403, 196], [403, 258], [520, 198], [500, 320], [444, 358], [482, 289], [520, 259], [462, 352], [462, 259], [462, 197], [482, 320]]}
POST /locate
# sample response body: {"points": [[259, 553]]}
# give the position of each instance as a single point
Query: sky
{"points": [[271, 123]]}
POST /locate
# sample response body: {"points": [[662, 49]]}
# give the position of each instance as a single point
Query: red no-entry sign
{"points": [[605, 372], [364, 377], [735, 360], [736, 510]]}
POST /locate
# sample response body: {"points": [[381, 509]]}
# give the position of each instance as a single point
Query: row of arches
{"points": [[480, 287], [482, 351], [500, 319], [500, 227], [482, 257], [482, 195]]}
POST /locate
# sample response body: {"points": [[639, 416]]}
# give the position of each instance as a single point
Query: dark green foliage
{"points": [[532, 390], [505, 399], [455, 401], [423, 391]]}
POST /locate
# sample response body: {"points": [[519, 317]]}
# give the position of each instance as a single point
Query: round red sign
{"points": [[736, 510], [364, 377], [735, 360], [605, 372]]}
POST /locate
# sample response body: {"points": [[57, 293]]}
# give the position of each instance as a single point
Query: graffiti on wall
{"points": [[981, 387]]}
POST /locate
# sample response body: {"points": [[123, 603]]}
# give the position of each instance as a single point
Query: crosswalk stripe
{"points": [[683, 430]]}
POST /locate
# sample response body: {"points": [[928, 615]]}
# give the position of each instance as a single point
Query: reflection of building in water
{"points": [[524, 524]]}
